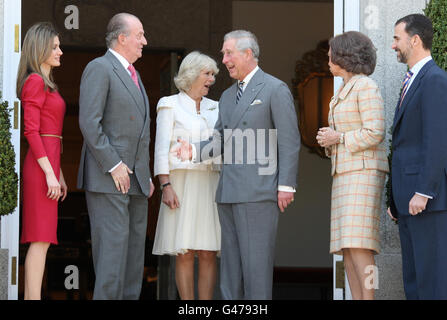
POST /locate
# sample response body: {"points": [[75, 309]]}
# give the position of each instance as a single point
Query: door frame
{"points": [[12, 19], [346, 18]]}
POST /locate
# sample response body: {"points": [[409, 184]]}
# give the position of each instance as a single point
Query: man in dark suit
{"points": [[258, 133], [419, 165], [114, 168]]}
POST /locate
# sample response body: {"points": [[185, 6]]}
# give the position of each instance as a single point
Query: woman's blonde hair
{"points": [[191, 67], [36, 49]]}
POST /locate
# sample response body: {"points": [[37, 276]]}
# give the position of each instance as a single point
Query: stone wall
{"points": [[377, 21]]}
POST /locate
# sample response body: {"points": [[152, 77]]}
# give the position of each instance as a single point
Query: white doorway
{"points": [[346, 18], [12, 13]]}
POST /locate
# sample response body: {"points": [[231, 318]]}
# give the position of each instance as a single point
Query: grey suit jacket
{"points": [[259, 139], [114, 120]]}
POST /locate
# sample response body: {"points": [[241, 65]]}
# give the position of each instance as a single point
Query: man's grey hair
{"points": [[244, 40], [191, 67], [117, 25]]}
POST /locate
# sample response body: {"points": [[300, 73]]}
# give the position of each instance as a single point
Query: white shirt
{"points": [[416, 68], [121, 59], [248, 78]]}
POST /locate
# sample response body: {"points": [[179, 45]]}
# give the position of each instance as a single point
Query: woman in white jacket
{"points": [[188, 223]]}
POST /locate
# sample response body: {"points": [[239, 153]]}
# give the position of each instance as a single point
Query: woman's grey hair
{"points": [[117, 25], [191, 67], [244, 40], [354, 52]]}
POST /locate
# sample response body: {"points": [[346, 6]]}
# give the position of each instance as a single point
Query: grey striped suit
{"points": [[247, 192], [114, 120]]}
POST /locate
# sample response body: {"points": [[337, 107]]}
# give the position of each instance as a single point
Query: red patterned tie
{"points": [[133, 74]]}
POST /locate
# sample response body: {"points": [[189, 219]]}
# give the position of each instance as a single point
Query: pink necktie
{"points": [[133, 74]]}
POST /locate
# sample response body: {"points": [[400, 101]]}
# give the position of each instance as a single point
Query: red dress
{"points": [[43, 114]]}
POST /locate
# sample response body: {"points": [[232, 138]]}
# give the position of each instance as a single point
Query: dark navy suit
{"points": [[420, 165]]}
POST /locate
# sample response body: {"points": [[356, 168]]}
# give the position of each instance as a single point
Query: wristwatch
{"points": [[164, 185], [342, 138]]}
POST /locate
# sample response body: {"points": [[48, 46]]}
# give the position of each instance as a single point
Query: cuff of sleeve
{"points": [[424, 195], [286, 189], [110, 171], [161, 166]]}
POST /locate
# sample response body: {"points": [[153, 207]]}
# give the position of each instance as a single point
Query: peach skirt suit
{"points": [[359, 165]]}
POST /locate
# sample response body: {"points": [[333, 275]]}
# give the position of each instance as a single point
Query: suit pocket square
{"points": [[256, 102]]}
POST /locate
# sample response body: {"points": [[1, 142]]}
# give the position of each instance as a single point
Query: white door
{"points": [[11, 55], [346, 18]]}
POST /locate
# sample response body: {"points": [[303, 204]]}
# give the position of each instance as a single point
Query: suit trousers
{"points": [[247, 249], [118, 229], [424, 255]]}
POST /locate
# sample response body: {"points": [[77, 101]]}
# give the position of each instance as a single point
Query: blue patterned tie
{"points": [[239, 91], [405, 86]]}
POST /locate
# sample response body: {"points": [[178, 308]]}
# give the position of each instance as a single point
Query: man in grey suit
{"points": [[114, 168], [257, 133]]}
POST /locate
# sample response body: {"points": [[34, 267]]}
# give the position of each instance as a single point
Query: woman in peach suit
{"points": [[359, 161]]}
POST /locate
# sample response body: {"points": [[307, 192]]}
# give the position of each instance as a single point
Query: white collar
{"points": [[418, 66], [189, 102], [248, 77], [121, 59]]}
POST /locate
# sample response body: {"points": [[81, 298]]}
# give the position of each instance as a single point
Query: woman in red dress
{"points": [[43, 181]]}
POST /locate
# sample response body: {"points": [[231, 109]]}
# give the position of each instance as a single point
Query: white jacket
{"points": [[177, 118]]}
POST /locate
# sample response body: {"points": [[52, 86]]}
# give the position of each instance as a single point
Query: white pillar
{"points": [[11, 16], [346, 18]]}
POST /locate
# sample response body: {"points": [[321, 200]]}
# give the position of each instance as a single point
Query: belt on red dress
{"points": [[54, 136]]}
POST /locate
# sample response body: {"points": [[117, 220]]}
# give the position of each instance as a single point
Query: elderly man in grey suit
{"points": [[257, 133], [114, 167]]}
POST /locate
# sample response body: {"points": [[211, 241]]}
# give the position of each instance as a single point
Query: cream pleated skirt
{"points": [[195, 224]]}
